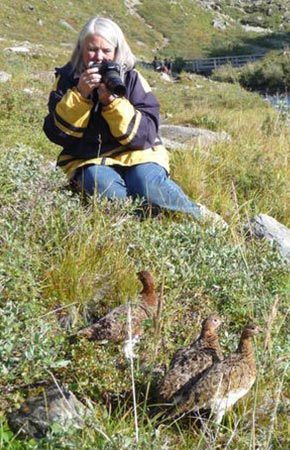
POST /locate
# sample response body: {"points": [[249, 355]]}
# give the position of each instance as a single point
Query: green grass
{"points": [[61, 254]]}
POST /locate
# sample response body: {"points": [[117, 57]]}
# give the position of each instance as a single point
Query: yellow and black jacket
{"points": [[123, 133]]}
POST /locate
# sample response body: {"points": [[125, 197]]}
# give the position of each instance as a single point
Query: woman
{"points": [[111, 145]]}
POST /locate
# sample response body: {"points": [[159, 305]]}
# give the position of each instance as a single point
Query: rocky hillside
{"points": [[177, 29], [222, 26], [259, 13], [269, 20]]}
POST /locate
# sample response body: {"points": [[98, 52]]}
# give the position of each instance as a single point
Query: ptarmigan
{"points": [[113, 326], [192, 360], [223, 384]]}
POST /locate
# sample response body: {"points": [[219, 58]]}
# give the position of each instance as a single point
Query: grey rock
{"points": [[65, 24], [219, 24], [18, 49], [176, 136], [4, 77], [174, 145], [37, 414], [251, 28], [266, 227], [33, 91]]}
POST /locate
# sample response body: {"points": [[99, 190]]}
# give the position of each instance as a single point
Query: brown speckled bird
{"points": [[223, 384], [113, 326], [192, 360]]}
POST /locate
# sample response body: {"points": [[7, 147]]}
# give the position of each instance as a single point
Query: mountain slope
{"points": [[186, 29]]}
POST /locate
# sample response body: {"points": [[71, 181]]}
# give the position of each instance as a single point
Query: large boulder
{"points": [[266, 227], [175, 136]]}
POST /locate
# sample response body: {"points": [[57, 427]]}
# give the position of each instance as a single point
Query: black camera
{"points": [[110, 73]]}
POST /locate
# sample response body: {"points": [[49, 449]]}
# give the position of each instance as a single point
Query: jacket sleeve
{"points": [[68, 115], [134, 121]]}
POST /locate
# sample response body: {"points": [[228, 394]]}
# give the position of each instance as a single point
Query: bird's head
{"points": [[211, 323], [145, 277], [148, 292], [250, 330]]}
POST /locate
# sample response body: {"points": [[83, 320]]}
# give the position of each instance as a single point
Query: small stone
{"points": [[4, 77]]}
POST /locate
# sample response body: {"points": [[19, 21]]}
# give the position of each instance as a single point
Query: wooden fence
{"points": [[204, 65]]}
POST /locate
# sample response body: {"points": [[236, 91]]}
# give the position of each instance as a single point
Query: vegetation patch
{"points": [[66, 260]]}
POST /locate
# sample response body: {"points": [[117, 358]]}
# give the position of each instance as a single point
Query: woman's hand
{"points": [[105, 96], [89, 80]]}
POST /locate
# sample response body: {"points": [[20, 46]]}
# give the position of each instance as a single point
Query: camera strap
{"points": [[99, 144]]}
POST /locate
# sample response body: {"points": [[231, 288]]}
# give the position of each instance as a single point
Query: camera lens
{"points": [[114, 83], [110, 73]]}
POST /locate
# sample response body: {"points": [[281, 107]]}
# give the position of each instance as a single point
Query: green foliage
{"points": [[204, 271], [269, 75], [225, 73], [65, 261], [178, 64]]}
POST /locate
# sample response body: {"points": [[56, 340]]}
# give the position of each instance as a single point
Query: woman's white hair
{"points": [[109, 31]]}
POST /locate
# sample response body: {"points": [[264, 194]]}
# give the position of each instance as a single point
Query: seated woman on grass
{"points": [[111, 145]]}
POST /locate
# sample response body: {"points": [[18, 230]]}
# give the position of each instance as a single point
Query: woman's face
{"points": [[97, 49]]}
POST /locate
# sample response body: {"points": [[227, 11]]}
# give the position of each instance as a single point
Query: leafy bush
{"points": [[178, 64], [271, 74], [65, 261], [225, 73]]}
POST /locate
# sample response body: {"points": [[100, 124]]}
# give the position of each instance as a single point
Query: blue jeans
{"points": [[148, 181]]}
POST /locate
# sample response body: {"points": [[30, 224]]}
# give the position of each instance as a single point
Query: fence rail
{"points": [[203, 65]]}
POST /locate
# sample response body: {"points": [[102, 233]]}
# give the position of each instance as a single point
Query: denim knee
{"points": [[101, 180]]}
